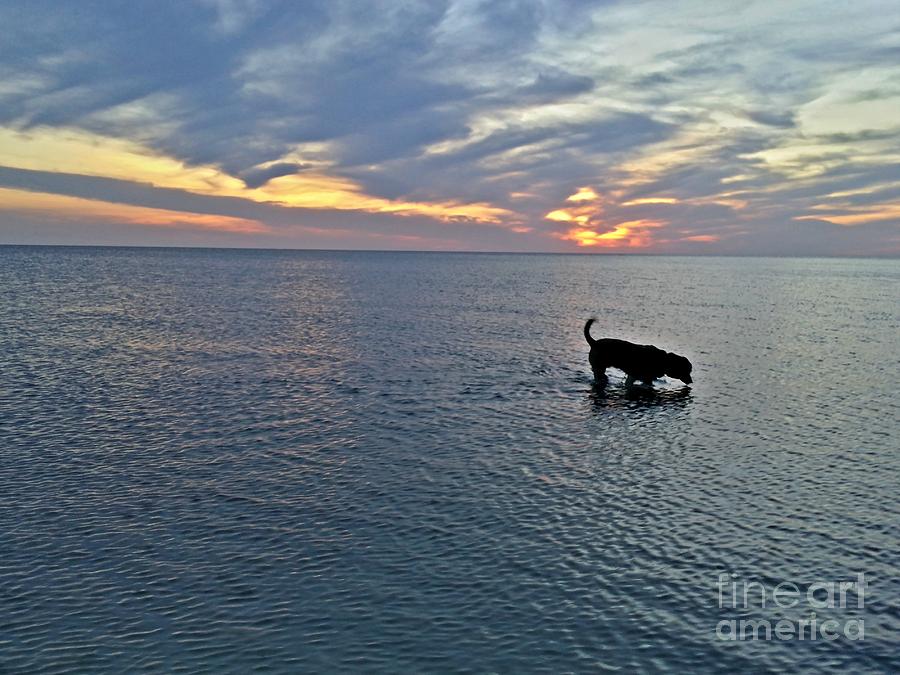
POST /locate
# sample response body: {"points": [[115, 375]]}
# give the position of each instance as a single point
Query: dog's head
{"points": [[678, 367]]}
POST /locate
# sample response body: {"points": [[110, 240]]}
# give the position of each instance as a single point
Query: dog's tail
{"points": [[587, 331]]}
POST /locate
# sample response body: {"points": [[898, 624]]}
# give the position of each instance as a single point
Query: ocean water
{"points": [[219, 461]]}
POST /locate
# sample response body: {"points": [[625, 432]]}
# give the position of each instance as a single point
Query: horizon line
{"points": [[886, 256]]}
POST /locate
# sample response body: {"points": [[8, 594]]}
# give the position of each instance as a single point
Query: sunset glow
{"points": [[585, 237], [69, 151]]}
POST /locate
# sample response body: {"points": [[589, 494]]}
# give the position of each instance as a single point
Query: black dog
{"points": [[640, 362]]}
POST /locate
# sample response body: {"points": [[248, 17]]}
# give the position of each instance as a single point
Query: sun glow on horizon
{"points": [[630, 234], [587, 237], [588, 230]]}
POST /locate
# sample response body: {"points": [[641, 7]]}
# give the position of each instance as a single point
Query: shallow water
{"points": [[396, 462]]}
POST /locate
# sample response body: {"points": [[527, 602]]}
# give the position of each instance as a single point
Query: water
{"points": [[395, 462]]}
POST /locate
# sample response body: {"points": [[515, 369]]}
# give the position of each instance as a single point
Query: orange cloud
{"points": [[584, 194], [568, 216], [81, 152], [71, 208], [858, 216], [589, 206], [701, 238], [318, 190], [650, 200]]}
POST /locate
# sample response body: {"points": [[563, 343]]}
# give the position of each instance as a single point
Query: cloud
{"points": [[555, 85], [773, 118], [747, 118], [259, 176]]}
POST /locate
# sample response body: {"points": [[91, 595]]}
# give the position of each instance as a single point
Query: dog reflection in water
{"points": [[640, 363], [605, 398]]}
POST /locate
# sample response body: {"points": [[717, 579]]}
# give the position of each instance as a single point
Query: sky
{"points": [[690, 127]]}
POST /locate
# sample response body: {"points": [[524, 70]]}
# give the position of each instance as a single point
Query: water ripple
{"points": [[224, 460]]}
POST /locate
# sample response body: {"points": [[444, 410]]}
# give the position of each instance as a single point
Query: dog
{"points": [[640, 362]]}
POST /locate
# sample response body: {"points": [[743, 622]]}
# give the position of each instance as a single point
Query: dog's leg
{"points": [[598, 367]]}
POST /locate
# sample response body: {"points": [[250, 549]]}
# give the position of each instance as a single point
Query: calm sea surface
{"points": [[214, 460]]}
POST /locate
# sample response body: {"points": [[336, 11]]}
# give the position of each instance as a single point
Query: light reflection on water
{"points": [[398, 462]]}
